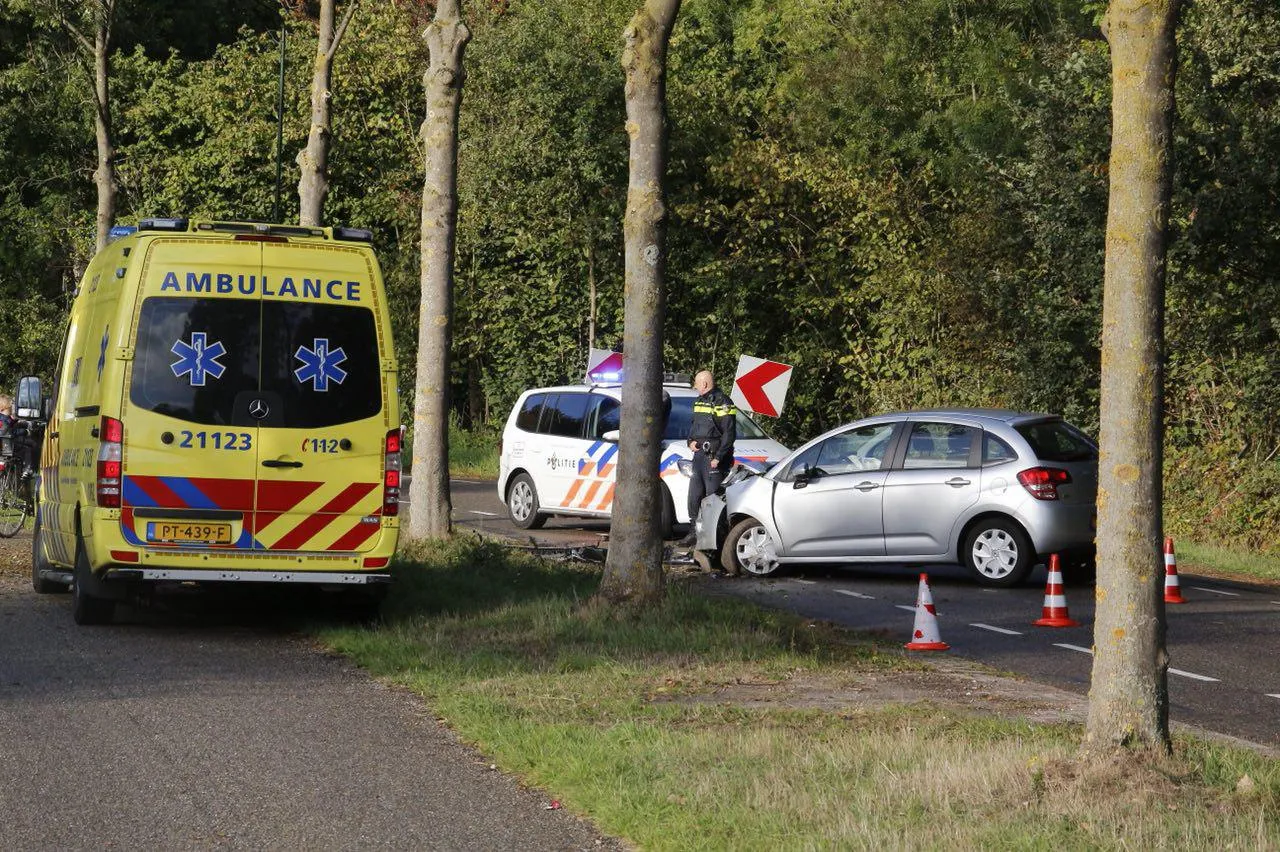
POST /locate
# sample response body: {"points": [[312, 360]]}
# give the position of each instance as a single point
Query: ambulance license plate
{"points": [[184, 533]]}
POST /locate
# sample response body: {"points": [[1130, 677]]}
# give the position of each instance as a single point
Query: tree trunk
{"points": [[1128, 699], [313, 160], [633, 569], [105, 175], [446, 38]]}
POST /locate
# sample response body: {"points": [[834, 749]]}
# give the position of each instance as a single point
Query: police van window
{"points": [[322, 359], [680, 419], [604, 416], [565, 414], [194, 356], [747, 428], [527, 419]]}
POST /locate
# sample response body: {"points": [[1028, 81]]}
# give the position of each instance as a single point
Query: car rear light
{"points": [[1043, 482], [110, 455], [391, 475]]}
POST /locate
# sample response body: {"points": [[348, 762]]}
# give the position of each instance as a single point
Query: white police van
{"points": [[559, 453]]}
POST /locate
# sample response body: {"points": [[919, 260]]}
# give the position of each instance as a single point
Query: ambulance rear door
{"points": [[190, 455], [323, 408]]}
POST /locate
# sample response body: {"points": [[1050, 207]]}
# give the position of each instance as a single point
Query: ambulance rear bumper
{"points": [[179, 575]]}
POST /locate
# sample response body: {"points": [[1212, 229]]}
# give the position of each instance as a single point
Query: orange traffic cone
{"points": [[924, 637], [1054, 613], [1172, 591]]}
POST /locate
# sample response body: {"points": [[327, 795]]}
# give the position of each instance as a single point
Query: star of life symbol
{"points": [[198, 358], [320, 364]]}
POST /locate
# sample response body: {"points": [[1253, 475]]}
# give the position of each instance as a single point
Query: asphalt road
{"points": [[211, 724], [1223, 643]]}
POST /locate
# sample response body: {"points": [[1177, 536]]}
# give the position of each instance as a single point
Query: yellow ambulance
{"points": [[225, 410]]}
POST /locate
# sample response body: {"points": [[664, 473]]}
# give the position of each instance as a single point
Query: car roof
{"points": [[1003, 415]]}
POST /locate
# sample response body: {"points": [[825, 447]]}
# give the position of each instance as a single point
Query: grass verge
{"points": [[622, 716], [473, 453], [1228, 562]]}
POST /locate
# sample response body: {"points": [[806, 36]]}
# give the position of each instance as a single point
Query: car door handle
{"points": [[279, 463], [867, 486], [957, 482]]}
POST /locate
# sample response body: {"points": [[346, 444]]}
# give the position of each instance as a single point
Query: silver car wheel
{"points": [[521, 501], [995, 553], [756, 551]]}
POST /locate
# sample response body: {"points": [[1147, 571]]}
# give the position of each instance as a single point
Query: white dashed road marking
{"points": [[1217, 591], [1194, 676], [1273, 694], [856, 595], [907, 608], [1191, 675], [808, 582], [996, 629], [478, 512]]}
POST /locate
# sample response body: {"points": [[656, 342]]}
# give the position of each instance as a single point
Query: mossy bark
{"points": [[313, 160], [446, 38], [1128, 699], [104, 177], [633, 569]]}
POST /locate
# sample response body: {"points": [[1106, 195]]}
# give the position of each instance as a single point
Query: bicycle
{"points": [[16, 481]]}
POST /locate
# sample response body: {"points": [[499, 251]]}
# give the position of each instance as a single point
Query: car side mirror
{"points": [[611, 436], [801, 475]]}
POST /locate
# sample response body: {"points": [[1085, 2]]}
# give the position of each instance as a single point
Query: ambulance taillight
{"points": [[110, 453], [391, 475]]}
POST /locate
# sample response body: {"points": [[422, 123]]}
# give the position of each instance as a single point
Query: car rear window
{"points": [[1057, 440], [195, 358]]}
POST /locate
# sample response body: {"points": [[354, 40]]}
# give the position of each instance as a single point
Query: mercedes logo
{"points": [[258, 409]]}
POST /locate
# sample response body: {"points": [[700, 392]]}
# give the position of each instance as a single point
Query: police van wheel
{"points": [[86, 607], [39, 565], [522, 503], [667, 520]]}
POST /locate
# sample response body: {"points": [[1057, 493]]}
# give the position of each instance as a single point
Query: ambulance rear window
{"points": [[203, 360]]}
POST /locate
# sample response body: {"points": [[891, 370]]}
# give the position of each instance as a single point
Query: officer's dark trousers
{"points": [[703, 482]]}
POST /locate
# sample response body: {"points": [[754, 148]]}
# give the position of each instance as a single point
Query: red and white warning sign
{"points": [[760, 386], [604, 367]]}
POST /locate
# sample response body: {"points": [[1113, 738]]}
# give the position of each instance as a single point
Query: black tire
{"points": [[997, 552], [750, 549], [667, 519], [39, 563], [13, 504], [522, 503], [86, 606]]}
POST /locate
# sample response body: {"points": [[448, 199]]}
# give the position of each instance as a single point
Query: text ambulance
{"points": [[226, 410]]}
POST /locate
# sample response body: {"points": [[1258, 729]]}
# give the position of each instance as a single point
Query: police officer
{"points": [[711, 435]]}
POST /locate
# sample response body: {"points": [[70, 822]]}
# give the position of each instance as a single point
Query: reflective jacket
{"points": [[714, 426]]}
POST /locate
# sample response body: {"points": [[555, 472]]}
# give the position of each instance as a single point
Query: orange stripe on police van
{"points": [[606, 499], [591, 493]]}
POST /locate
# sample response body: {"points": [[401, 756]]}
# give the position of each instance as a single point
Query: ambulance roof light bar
{"points": [[179, 223]]}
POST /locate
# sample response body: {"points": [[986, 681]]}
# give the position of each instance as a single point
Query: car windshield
{"points": [[682, 416], [1058, 441]]}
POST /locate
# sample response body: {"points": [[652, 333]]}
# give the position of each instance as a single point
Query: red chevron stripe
{"points": [[160, 493], [357, 535], [226, 493], [330, 512]]}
